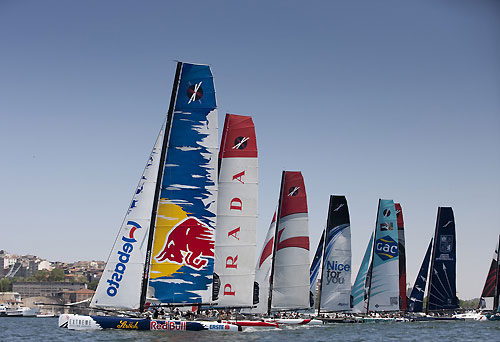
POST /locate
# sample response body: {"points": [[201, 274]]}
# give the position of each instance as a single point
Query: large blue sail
{"points": [[182, 255], [359, 293], [416, 302], [442, 294], [314, 271]]}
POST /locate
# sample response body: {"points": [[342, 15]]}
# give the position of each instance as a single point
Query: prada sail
{"points": [[236, 214]]}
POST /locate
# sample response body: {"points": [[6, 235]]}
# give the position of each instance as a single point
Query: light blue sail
{"points": [[358, 294]]}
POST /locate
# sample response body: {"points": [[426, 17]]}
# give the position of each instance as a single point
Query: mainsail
{"points": [[416, 302], [182, 254], [402, 258], [492, 284], [236, 213], [442, 293], [120, 285], [290, 271], [359, 291], [384, 282], [315, 268], [335, 289]]}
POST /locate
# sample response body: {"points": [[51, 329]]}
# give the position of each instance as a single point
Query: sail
{"points": [[403, 305], [290, 283], [120, 283], [263, 272], [315, 268], [442, 292], [359, 291], [416, 302], [492, 286], [182, 256], [336, 275], [235, 236], [384, 284]]}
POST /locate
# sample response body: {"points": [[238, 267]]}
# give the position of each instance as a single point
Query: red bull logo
{"points": [[189, 243], [167, 325], [123, 259]]}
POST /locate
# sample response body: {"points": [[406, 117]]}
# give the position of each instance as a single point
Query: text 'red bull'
{"points": [[123, 259]]}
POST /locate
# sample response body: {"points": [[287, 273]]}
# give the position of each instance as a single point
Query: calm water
{"points": [[45, 329]]}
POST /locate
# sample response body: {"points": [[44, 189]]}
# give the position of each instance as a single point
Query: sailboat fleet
{"points": [[188, 239]]}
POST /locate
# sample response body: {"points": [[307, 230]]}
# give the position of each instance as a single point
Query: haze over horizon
{"points": [[388, 99]]}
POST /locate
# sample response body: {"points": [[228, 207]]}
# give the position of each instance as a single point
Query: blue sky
{"points": [[385, 99]]}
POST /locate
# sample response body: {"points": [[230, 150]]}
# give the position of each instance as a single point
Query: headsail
{"points": [[442, 292], [403, 305], [236, 213], [315, 268], [416, 301], [492, 285], [263, 272], [336, 276], [182, 255], [290, 272], [120, 284], [359, 291], [384, 284]]}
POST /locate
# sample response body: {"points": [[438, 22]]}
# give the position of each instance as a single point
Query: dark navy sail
{"points": [[442, 294], [315, 266], [416, 300]]}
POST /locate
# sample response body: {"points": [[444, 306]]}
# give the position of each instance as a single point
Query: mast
{"points": [[496, 299], [370, 270], [429, 285], [154, 212], [322, 266], [275, 245]]}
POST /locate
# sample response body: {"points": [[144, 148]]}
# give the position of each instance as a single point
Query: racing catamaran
{"points": [[164, 252]]}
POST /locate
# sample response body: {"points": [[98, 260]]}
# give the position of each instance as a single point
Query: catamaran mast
{"points": [[497, 278], [154, 211], [275, 245], [323, 260], [370, 270]]}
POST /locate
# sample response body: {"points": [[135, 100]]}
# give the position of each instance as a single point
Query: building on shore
{"points": [[45, 288]]}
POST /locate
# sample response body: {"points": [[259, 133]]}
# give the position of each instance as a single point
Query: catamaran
{"points": [[334, 256], [164, 252]]}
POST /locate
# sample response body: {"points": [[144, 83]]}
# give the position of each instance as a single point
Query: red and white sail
{"points": [[235, 239], [290, 283]]}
